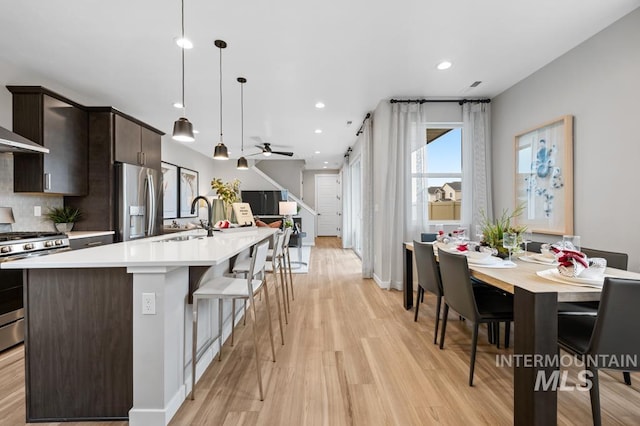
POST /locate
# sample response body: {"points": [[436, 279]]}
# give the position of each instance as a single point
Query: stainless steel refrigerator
{"points": [[138, 201]]}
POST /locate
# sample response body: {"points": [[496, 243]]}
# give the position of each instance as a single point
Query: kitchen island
{"points": [[93, 351]]}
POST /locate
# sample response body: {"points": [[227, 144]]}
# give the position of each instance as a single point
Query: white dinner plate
{"points": [[554, 275], [491, 260], [537, 259]]}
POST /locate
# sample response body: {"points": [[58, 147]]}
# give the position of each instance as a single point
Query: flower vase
{"points": [[219, 211]]}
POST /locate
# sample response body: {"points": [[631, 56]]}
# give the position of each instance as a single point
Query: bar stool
{"points": [[234, 288], [275, 266]]}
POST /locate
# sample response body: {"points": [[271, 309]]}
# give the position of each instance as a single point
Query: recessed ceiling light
{"points": [[185, 43], [196, 131], [317, 152], [318, 131], [326, 162], [324, 167], [177, 105], [319, 105], [444, 65]]}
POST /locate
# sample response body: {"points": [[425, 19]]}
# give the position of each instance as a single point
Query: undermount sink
{"points": [[185, 238]]}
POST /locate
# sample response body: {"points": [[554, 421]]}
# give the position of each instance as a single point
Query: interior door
{"points": [[328, 205]]}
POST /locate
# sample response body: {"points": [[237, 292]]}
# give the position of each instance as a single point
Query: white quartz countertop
{"points": [[74, 235], [161, 251]]}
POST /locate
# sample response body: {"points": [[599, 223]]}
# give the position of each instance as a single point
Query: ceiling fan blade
{"points": [[289, 154]]}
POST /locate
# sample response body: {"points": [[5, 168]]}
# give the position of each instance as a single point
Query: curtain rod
{"points": [[422, 101], [361, 129]]}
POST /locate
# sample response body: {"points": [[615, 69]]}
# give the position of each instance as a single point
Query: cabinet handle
{"points": [[47, 181], [94, 243], [144, 158]]}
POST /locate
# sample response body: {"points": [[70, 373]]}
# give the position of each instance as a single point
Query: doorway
{"points": [[328, 205]]}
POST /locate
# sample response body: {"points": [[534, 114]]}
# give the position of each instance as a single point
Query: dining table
{"points": [[536, 301]]}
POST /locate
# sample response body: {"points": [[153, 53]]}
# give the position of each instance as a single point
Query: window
{"points": [[436, 175]]}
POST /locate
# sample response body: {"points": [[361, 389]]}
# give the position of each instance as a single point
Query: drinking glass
{"points": [[571, 242], [479, 232], [509, 241], [527, 237]]}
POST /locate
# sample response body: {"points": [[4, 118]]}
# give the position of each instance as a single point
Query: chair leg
{"points": [[194, 347], [266, 301], [595, 398], [474, 346], [491, 333], [290, 273], [444, 324], [284, 308], [255, 344], [627, 378], [284, 284], [507, 334], [244, 312], [278, 306], [438, 305], [220, 303], [233, 319], [497, 326], [415, 317]]}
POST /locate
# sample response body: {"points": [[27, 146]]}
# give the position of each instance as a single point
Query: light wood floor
{"points": [[354, 356]]}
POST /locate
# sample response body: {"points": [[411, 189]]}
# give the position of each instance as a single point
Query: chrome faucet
{"points": [[209, 226]]}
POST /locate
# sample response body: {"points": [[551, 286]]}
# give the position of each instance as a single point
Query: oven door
{"points": [[11, 308]]}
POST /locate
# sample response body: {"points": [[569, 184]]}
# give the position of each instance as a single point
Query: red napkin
{"points": [[572, 263], [463, 247]]}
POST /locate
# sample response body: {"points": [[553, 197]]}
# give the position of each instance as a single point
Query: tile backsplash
{"points": [[23, 204]]}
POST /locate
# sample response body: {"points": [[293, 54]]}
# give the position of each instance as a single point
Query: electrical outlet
{"points": [[37, 211], [148, 303]]}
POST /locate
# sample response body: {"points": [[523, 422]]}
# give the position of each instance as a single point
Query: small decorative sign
{"points": [[243, 213]]}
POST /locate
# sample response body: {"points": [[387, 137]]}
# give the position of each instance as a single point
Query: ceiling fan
{"points": [[267, 151]]}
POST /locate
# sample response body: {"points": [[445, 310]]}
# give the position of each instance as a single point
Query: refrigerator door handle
{"points": [[151, 211]]}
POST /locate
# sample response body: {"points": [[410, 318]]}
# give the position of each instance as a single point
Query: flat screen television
{"points": [[264, 203]]}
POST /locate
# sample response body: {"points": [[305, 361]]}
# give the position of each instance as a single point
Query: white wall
{"points": [[598, 83], [287, 173]]}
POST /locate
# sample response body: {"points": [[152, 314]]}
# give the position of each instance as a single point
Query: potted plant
{"points": [[492, 231], [64, 217], [228, 192]]}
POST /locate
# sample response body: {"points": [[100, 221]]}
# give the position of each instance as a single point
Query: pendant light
{"points": [[242, 162], [220, 152], [182, 127]]}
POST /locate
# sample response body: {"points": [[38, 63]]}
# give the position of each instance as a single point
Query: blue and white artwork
{"points": [[541, 160]]}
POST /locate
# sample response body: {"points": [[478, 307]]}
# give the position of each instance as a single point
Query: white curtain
{"points": [[476, 162], [346, 204], [366, 161], [403, 126]]}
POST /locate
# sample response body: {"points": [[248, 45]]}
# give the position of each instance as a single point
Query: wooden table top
{"points": [[524, 276]]}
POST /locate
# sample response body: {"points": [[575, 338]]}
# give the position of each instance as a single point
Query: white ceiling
{"points": [[348, 54]]}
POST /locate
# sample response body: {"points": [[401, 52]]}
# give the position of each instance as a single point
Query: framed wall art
{"points": [[188, 191], [544, 177], [169, 190]]}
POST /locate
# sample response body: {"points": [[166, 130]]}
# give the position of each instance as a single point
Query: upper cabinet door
{"points": [[127, 141], [151, 148], [59, 125], [65, 134]]}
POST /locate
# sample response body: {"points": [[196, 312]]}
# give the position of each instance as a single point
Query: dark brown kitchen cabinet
{"points": [[59, 124], [135, 144]]}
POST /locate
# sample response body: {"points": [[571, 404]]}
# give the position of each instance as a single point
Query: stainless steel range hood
{"points": [[12, 142]]}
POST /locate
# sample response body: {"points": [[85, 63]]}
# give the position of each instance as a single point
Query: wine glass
{"points": [[527, 237], [479, 232], [571, 242], [509, 241]]}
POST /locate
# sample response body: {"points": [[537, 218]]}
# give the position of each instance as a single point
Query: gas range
{"points": [[18, 245]]}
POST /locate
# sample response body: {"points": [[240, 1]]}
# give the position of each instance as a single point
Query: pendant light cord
{"points": [[241, 119], [184, 106], [220, 94]]}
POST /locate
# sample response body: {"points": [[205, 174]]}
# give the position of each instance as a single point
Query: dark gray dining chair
{"points": [[428, 279], [476, 306], [609, 333], [614, 260]]}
